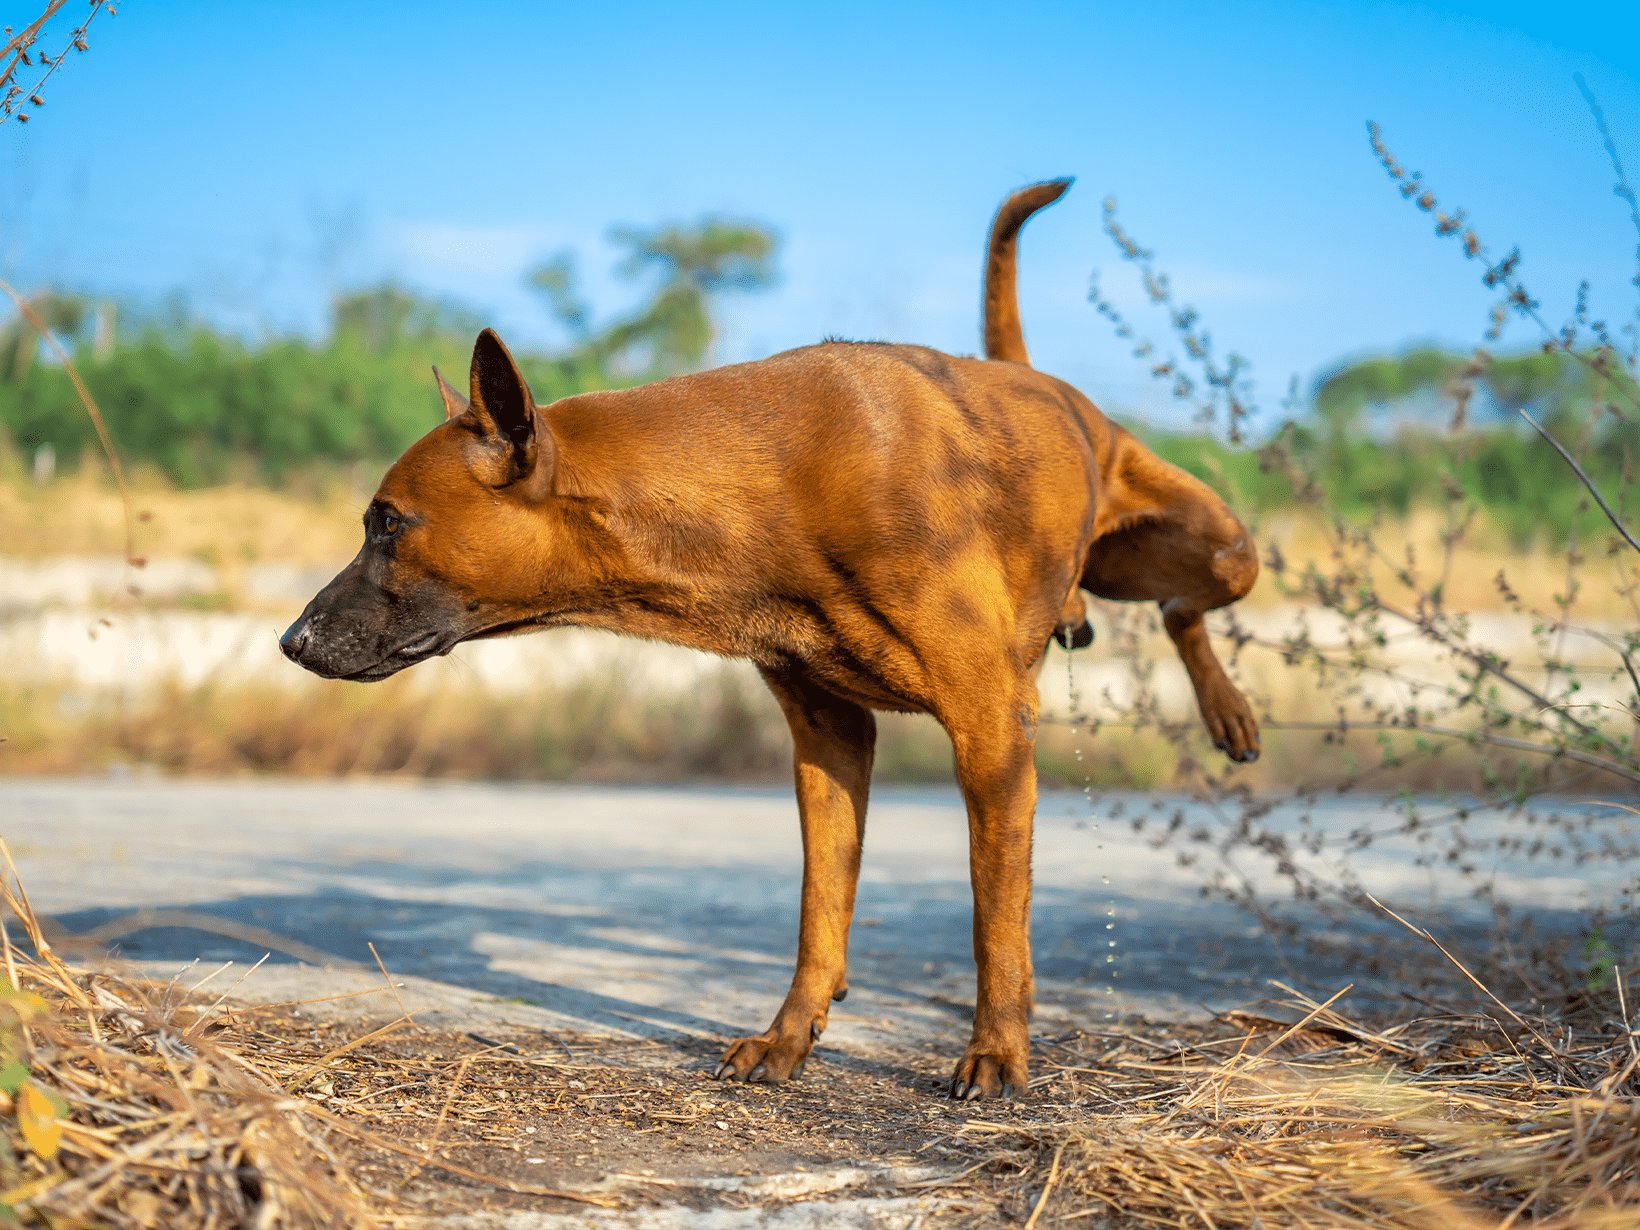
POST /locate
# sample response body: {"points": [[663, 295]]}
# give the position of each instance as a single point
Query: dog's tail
{"points": [[1003, 337]]}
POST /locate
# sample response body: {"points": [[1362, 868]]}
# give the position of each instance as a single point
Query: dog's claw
{"points": [[726, 1071], [1009, 1091], [840, 994], [962, 1091], [1246, 755], [759, 1073]]}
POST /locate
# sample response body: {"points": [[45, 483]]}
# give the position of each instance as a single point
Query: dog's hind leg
{"points": [[993, 736], [1173, 540], [833, 742]]}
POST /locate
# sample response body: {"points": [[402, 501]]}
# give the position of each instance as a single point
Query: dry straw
{"points": [[151, 1123], [1450, 1121], [136, 1105]]}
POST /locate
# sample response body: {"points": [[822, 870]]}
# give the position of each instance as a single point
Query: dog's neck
{"points": [[624, 541]]}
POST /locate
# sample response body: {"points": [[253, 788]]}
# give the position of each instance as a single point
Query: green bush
{"points": [[200, 407], [1502, 464]]}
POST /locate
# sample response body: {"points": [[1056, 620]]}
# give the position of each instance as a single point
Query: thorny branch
{"points": [[1586, 480], [1226, 384], [1526, 739], [1505, 274]]}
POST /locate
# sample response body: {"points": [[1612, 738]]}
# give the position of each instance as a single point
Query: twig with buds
{"points": [[17, 52]]}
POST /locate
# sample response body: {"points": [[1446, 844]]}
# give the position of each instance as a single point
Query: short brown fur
{"points": [[874, 526]]}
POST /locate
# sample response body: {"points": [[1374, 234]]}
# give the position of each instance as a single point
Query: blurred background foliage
{"points": [[200, 407], [1378, 430]]}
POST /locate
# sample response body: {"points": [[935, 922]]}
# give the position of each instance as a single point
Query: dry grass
{"points": [[139, 1105], [727, 732], [1539, 570], [731, 731], [82, 515], [591, 733], [1448, 1122], [127, 1113]]}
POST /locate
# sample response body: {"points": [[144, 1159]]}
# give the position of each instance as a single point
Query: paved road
{"points": [[645, 909]]}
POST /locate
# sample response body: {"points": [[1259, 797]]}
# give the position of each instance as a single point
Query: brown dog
{"points": [[875, 526]]}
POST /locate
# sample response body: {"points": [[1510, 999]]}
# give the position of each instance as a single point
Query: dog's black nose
{"points": [[294, 640]]}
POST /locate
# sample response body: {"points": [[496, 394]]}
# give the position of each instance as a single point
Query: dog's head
{"points": [[451, 543]]}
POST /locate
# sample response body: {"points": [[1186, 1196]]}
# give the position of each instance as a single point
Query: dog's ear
{"points": [[512, 445], [454, 403]]}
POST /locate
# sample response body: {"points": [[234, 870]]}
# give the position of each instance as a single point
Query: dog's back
{"points": [[849, 501]]}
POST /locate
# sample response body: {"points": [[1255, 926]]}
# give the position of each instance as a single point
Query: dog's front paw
{"points": [[769, 1057], [988, 1072]]}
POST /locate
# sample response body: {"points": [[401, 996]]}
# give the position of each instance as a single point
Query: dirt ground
{"points": [[625, 1120]]}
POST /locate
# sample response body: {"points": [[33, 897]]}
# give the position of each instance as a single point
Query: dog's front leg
{"points": [[995, 757], [832, 741]]}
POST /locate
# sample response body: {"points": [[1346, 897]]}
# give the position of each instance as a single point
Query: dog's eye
{"points": [[390, 525]]}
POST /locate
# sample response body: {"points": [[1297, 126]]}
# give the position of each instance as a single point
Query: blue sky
{"points": [[261, 157]]}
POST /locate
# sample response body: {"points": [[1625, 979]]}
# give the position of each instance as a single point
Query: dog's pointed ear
{"points": [[454, 403], [501, 413]]}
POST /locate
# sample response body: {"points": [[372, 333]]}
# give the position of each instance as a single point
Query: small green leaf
{"points": [[12, 1076]]}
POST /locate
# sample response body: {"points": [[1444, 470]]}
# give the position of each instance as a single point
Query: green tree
{"points": [[555, 281], [674, 330]]}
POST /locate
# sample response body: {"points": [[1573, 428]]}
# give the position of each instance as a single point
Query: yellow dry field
{"points": [[222, 526], [1538, 574], [232, 526]]}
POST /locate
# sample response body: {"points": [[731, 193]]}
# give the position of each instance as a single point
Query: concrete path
{"points": [[611, 909]]}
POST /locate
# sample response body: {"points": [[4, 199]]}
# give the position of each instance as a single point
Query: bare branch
{"points": [[33, 317], [1587, 481]]}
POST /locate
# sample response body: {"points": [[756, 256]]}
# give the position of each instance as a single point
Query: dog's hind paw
{"points": [[1229, 721]]}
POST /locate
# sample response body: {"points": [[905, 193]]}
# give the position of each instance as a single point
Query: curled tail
{"points": [[1003, 337]]}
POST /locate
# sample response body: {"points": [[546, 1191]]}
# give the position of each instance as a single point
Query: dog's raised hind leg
{"points": [[1177, 543], [833, 741]]}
